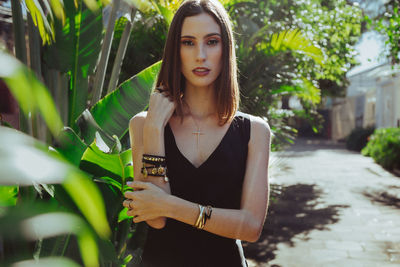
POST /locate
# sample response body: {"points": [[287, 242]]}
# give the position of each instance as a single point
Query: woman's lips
{"points": [[201, 71]]}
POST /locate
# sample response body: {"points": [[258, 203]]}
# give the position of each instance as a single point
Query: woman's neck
{"points": [[201, 101]]}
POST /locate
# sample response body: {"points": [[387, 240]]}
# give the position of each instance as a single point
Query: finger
{"points": [[129, 195], [138, 219], [139, 185], [131, 213], [126, 203], [143, 217], [132, 205]]}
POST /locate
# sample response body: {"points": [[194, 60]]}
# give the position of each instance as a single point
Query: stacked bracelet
{"points": [[155, 171], [155, 160], [158, 166], [204, 215]]}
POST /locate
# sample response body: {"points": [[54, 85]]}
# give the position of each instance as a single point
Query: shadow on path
{"points": [[295, 209], [389, 197]]}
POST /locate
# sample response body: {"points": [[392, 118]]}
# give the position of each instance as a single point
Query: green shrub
{"points": [[384, 147], [358, 138]]}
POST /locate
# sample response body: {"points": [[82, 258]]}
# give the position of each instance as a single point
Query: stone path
{"points": [[332, 207]]}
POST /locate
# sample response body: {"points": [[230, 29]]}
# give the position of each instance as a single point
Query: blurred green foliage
{"points": [[49, 179], [388, 24], [49, 175], [384, 147], [268, 78]]}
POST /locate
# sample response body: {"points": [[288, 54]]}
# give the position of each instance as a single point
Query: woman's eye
{"points": [[187, 42], [213, 42]]}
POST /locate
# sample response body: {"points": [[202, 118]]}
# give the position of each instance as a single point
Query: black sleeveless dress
{"points": [[217, 182]]}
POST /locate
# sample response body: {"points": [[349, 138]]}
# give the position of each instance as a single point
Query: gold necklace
{"points": [[198, 132]]}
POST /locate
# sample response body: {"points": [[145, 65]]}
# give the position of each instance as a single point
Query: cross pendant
{"points": [[198, 133]]}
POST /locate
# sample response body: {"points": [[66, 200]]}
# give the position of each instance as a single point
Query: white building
{"points": [[372, 98]]}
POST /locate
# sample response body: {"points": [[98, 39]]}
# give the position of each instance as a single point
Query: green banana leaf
{"points": [[110, 163], [31, 221], [113, 112], [88, 125], [167, 13], [8, 196], [76, 51], [293, 40], [44, 15], [303, 89], [70, 146], [111, 172], [48, 262], [40, 20], [31, 94], [25, 161]]}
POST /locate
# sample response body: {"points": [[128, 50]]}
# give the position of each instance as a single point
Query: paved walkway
{"points": [[335, 208]]}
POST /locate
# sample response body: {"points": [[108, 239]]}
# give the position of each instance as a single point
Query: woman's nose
{"points": [[201, 53]]}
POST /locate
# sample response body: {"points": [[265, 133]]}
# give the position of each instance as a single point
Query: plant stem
{"points": [[20, 53], [123, 44], [19, 30], [105, 53]]}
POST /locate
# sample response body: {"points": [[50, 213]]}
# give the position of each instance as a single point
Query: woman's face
{"points": [[201, 50]]}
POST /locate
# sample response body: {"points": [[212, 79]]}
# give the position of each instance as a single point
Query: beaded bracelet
{"points": [[158, 166], [154, 171], [153, 159]]}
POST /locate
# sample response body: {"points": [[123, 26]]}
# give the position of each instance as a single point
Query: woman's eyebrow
{"points": [[206, 36]]}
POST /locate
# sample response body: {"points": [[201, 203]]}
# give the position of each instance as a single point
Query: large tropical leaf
{"points": [[114, 111], [113, 163], [75, 51], [40, 20], [32, 221], [8, 196], [43, 16], [70, 146], [30, 93], [25, 161], [111, 172], [303, 89], [165, 8], [293, 40], [47, 262]]}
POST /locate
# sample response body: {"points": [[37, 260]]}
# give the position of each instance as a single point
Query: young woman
{"points": [[201, 167]]}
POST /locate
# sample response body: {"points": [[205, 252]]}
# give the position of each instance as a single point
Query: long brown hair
{"points": [[171, 77]]}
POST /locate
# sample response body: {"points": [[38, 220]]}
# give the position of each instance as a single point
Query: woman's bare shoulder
{"points": [[138, 120], [259, 128]]}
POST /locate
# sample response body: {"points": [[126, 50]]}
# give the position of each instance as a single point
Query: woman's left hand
{"points": [[146, 202]]}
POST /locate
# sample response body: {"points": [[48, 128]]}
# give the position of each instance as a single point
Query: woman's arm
{"points": [[156, 147], [245, 224], [146, 131]]}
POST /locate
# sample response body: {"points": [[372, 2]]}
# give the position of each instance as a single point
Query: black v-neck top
{"points": [[217, 182]]}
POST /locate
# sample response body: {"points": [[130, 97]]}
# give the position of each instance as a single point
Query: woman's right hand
{"points": [[161, 108]]}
